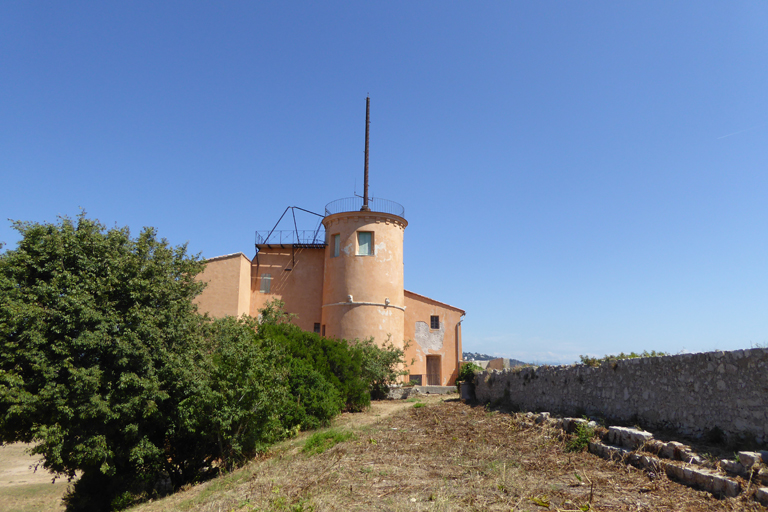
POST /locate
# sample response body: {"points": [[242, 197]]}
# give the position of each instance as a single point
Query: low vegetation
{"points": [[597, 361], [468, 371]]}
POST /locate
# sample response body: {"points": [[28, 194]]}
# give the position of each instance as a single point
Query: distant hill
{"points": [[476, 356]]}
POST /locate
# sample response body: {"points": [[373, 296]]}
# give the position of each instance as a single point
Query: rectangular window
{"points": [[266, 283], [323, 333], [434, 322], [365, 243], [317, 327], [336, 245]]}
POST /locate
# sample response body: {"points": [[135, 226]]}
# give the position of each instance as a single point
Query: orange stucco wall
{"points": [[228, 286], [374, 281], [315, 286], [301, 287], [444, 342]]}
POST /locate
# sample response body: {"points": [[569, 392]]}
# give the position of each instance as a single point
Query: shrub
{"points": [[581, 438], [333, 359], [467, 372], [381, 365], [356, 369]]}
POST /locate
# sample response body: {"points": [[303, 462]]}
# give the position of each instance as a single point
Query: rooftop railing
{"points": [[291, 236], [355, 204]]}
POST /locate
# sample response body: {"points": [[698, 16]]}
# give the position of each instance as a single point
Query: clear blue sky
{"points": [[581, 178]]}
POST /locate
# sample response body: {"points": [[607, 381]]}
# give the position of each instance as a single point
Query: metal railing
{"points": [[355, 204], [285, 237]]}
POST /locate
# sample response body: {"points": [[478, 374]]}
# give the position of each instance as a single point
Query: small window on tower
{"points": [[336, 245], [434, 322], [317, 328], [323, 333], [266, 283], [365, 243]]}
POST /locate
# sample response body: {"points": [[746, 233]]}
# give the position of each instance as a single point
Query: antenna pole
{"points": [[367, 128]]}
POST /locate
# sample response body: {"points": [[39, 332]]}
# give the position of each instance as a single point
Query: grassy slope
{"points": [[447, 456]]}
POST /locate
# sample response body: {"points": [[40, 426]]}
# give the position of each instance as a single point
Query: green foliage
{"points": [[357, 369], [597, 361], [581, 438], [273, 313], [467, 372], [322, 441], [334, 359], [109, 371], [97, 331], [237, 400], [381, 365]]}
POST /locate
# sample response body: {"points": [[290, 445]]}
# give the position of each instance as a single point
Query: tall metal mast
{"points": [[367, 129]]}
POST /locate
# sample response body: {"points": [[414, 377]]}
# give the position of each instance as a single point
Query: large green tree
{"points": [[99, 343]]}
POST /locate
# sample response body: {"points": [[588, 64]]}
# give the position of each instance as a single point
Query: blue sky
{"points": [[581, 178]]}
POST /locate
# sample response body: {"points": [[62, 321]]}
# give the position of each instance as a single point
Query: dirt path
{"points": [[22, 488]]}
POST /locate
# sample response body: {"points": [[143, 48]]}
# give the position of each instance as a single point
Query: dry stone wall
{"points": [[694, 394]]}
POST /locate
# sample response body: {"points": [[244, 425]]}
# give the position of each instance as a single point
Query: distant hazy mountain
{"points": [[476, 356]]}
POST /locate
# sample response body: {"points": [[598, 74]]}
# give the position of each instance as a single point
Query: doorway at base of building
{"points": [[433, 371]]}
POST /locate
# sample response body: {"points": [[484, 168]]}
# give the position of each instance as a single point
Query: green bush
{"points": [[314, 400], [334, 359], [581, 438], [356, 369], [467, 372], [381, 365]]}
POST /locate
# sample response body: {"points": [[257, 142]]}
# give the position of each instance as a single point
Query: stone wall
{"points": [[689, 393]]}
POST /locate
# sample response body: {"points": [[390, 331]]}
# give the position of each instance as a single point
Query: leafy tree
{"points": [[98, 343]]}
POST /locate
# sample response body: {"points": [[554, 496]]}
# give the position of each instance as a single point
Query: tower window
{"points": [[365, 243], [434, 322], [336, 245], [317, 327], [266, 283]]}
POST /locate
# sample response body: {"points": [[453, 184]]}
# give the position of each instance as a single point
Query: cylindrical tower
{"points": [[363, 277]]}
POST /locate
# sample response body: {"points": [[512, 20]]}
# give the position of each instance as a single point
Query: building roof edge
{"points": [[225, 256], [408, 292]]}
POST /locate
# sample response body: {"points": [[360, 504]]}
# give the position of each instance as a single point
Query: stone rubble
{"points": [[677, 460]]}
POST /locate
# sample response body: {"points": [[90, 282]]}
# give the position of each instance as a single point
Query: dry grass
{"points": [[443, 456], [25, 490]]}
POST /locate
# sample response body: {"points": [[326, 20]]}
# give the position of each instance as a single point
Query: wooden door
{"points": [[433, 371]]}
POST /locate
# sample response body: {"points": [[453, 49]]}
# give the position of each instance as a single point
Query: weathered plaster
{"points": [[430, 339]]}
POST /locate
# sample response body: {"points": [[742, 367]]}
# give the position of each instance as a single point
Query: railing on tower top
{"points": [[355, 204]]}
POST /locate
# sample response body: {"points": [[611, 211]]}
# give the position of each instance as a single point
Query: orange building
{"points": [[346, 283]]}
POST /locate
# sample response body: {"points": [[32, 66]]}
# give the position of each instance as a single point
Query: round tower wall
{"points": [[372, 277]]}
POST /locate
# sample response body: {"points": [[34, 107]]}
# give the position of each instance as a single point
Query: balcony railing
{"points": [[287, 237], [355, 204]]}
